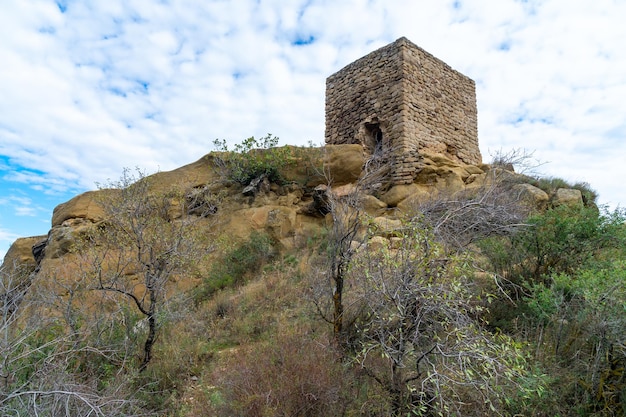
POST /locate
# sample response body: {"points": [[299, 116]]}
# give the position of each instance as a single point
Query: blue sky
{"points": [[90, 87]]}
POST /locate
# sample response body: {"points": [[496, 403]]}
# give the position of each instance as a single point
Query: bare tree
{"points": [[466, 217], [519, 160], [342, 242], [147, 238], [346, 233]]}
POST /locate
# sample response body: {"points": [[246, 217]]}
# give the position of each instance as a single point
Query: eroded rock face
{"points": [[444, 173], [386, 227], [437, 175], [373, 206], [197, 174], [343, 163], [74, 217], [17, 269], [421, 194], [399, 193], [83, 206], [62, 238]]}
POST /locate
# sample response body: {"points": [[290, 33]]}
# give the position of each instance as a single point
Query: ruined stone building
{"points": [[401, 101]]}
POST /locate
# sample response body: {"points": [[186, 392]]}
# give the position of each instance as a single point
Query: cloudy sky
{"points": [[88, 87]]}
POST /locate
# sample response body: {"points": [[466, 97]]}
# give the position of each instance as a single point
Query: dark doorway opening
{"points": [[374, 137]]}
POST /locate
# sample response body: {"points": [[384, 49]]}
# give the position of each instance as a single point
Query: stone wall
{"points": [[402, 101], [366, 91]]}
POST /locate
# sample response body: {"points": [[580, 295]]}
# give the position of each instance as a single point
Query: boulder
{"points": [[443, 173], [473, 170], [204, 171], [475, 180], [395, 242], [373, 206], [345, 190], [533, 196], [422, 193], [567, 196], [377, 243], [385, 226], [278, 221], [306, 166], [62, 238], [398, 193]]}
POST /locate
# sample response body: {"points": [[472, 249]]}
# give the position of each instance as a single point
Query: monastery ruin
{"points": [[400, 101]]}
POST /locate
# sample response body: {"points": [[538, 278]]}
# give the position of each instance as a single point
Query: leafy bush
{"points": [[562, 239], [566, 297], [583, 319], [246, 257], [253, 158]]}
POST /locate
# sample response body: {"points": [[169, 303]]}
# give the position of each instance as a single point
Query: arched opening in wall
{"points": [[374, 138]]}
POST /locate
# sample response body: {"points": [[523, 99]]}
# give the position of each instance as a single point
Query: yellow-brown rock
{"points": [[373, 206], [286, 211], [84, 206], [567, 196], [343, 163], [534, 196], [444, 173], [20, 254], [386, 227], [422, 193], [196, 174], [277, 221], [376, 243], [398, 193], [305, 166]]}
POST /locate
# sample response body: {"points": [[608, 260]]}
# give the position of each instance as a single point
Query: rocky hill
{"points": [[193, 292], [286, 212]]}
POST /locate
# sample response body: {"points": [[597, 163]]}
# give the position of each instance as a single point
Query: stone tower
{"points": [[400, 101]]}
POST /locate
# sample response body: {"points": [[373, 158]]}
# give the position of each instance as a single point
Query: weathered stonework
{"points": [[400, 101]]}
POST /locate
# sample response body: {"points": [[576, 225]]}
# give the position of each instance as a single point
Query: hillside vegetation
{"points": [[285, 281]]}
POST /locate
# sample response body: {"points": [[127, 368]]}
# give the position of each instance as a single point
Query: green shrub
{"points": [[550, 184], [583, 319], [562, 239], [253, 158], [232, 268]]}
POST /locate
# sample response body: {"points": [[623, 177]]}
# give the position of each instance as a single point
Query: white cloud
{"points": [[6, 239], [99, 86], [20, 205]]}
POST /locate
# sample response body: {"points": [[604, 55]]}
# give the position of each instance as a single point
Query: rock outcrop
{"points": [[292, 212]]}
